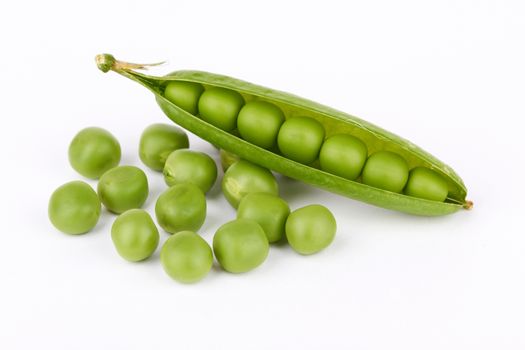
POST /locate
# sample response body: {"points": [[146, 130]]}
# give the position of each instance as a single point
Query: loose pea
{"points": [[220, 107], [267, 210], [343, 155], [184, 94], [93, 151], [158, 141], [186, 257], [386, 170], [240, 245], [244, 177], [310, 229], [426, 183], [74, 208], [259, 123], [181, 208], [123, 188], [300, 139], [134, 235], [185, 166], [227, 159]]}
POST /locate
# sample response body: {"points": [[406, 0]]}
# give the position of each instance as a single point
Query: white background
{"points": [[448, 75]]}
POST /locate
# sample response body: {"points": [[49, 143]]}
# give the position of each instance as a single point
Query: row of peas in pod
{"points": [[303, 139], [239, 245]]}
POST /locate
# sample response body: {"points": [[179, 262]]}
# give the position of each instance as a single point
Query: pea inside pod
{"points": [[295, 159], [184, 94], [300, 139], [220, 107], [343, 155], [427, 184], [386, 170], [259, 122]]}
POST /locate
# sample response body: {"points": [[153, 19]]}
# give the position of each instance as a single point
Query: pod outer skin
{"points": [[304, 173]]}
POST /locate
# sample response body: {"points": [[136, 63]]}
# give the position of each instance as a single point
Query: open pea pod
{"points": [[334, 122]]}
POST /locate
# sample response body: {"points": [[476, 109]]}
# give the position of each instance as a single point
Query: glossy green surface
{"points": [[240, 245], [244, 177], [158, 141], [267, 210], [122, 188], [220, 107], [181, 208], [333, 121], [134, 235], [300, 139], [427, 184], [184, 94], [259, 123], [227, 159], [310, 229], [186, 257], [343, 155], [74, 208], [185, 166], [386, 170], [93, 151]]}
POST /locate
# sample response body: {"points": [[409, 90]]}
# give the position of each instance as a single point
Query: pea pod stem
{"points": [[107, 62], [334, 121]]}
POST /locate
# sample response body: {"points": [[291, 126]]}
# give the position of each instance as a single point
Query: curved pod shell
{"points": [[333, 120]]}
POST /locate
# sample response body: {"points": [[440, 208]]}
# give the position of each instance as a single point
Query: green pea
{"points": [[220, 107], [300, 139], [184, 94], [386, 170], [185, 166], [310, 229], [135, 235], [227, 159], [74, 208], [158, 141], [186, 257], [343, 155], [259, 123], [181, 208], [267, 210], [244, 177], [240, 245], [123, 188], [93, 151], [427, 184]]}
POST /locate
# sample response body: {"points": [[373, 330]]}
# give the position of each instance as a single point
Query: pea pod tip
{"points": [[468, 205]]}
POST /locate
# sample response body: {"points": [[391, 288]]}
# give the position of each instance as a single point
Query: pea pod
{"points": [[333, 121]]}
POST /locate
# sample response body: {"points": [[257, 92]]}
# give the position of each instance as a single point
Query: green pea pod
{"points": [[333, 121]]}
